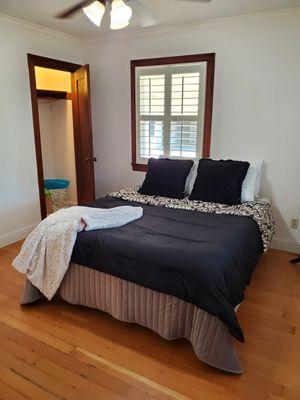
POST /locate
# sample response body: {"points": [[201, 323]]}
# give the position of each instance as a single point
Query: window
{"points": [[171, 108]]}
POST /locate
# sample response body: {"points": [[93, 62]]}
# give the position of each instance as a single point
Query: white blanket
{"points": [[46, 253]]}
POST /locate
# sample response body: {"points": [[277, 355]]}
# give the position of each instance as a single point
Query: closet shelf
{"points": [[53, 94]]}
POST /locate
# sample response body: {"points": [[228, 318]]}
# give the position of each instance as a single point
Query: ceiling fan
{"points": [[120, 13]]}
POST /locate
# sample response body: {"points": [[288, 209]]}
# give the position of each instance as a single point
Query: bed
{"points": [[181, 270]]}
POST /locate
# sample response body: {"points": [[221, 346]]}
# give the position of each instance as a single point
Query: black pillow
{"points": [[166, 177], [219, 181]]}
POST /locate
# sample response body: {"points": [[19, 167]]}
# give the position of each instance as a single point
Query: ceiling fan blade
{"points": [[72, 10], [144, 15], [198, 1]]}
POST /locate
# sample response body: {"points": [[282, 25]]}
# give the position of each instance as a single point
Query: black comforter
{"points": [[205, 259]]}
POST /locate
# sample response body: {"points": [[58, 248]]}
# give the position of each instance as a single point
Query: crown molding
{"points": [[40, 28], [168, 29], [140, 32]]}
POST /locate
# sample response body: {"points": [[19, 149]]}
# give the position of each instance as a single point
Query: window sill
{"points": [[139, 167]]}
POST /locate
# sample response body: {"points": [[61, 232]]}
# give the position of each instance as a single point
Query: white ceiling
{"points": [[145, 13]]}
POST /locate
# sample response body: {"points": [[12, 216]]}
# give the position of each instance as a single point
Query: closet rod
{"points": [[53, 94]]}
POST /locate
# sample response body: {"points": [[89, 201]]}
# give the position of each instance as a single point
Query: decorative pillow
{"points": [[166, 177], [251, 184], [219, 181]]}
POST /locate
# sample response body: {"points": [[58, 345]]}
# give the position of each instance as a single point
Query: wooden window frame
{"points": [[209, 58]]}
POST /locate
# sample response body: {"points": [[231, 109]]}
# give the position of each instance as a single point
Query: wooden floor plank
{"points": [[89, 376], [9, 393], [74, 384], [57, 350], [30, 389]]}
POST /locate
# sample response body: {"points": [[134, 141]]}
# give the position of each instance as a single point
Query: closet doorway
{"points": [[61, 109]]}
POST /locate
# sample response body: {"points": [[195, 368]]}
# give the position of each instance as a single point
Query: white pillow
{"points": [[258, 177], [190, 180], [251, 184]]}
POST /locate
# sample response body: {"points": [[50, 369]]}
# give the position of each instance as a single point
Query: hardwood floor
{"points": [[59, 351]]}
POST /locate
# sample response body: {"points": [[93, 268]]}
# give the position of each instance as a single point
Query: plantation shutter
{"points": [[169, 111]]}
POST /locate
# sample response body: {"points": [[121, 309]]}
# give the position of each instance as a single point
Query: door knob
{"points": [[91, 159]]}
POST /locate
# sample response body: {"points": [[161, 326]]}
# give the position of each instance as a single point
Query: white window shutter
{"points": [[169, 111]]}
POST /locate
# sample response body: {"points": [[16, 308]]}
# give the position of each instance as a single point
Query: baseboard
{"points": [[286, 244], [15, 236]]}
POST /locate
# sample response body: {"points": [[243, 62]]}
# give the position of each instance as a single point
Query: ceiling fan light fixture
{"points": [[95, 12], [120, 14], [115, 26]]}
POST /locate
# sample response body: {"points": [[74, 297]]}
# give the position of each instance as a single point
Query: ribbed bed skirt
{"points": [[167, 315]]}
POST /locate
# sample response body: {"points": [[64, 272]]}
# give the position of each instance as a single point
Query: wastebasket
{"points": [[56, 194]]}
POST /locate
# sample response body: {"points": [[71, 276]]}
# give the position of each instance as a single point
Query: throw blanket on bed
{"points": [[46, 253], [259, 211]]}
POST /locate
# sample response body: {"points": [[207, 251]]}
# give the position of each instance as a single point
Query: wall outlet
{"points": [[294, 223]]}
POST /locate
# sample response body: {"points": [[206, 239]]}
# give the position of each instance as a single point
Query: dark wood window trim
{"points": [[209, 58]]}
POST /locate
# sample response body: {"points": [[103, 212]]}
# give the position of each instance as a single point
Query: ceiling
{"points": [[146, 13]]}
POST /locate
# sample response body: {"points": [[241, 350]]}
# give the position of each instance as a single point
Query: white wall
{"points": [[19, 201], [256, 101], [62, 123], [256, 107], [46, 133], [57, 138]]}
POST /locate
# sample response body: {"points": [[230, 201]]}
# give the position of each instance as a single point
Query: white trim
{"points": [[168, 29], [15, 236], [138, 32], [291, 245], [40, 28]]}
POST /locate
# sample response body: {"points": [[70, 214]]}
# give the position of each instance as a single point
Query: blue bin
{"points": [[50, 184]]}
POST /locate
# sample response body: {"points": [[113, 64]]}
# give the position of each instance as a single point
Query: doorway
{"points": [[61, 108]]}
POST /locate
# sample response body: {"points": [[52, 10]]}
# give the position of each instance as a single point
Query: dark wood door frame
{"points": [[39, 61]]}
